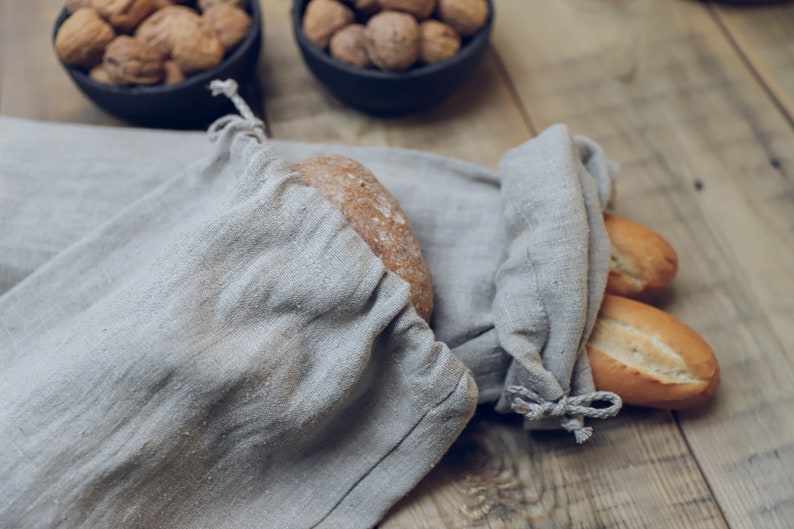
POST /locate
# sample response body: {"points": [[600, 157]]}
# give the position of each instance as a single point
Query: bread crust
{"points": [[376, 216], [642, 261], [650, 358]]}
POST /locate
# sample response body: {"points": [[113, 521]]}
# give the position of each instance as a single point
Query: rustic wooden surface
{"points": [[696, 101]]}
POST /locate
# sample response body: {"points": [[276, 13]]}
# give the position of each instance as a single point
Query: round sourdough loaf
{"points": [[648, 357], [376, 216], [642, 261]]}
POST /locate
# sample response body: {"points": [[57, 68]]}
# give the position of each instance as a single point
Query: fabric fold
{"points": [[223, 351], [518, 257]]}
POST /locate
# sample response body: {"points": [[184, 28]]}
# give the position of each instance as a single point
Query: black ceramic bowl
{"points": [[392, 93], [184, 105]]}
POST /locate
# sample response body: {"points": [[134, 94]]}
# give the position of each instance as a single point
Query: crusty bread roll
{"points": [[376, 216], [642, 261], [648, 357]]}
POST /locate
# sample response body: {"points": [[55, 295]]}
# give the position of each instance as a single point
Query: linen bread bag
{"points": [[225, 351], [174, 342]]}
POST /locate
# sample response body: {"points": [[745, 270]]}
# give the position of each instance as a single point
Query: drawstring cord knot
{"points": [[229, 88], [531, 405]]}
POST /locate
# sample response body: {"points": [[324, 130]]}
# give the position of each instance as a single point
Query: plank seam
{"points": [[511, 89], [703, 474], [748, 64]]}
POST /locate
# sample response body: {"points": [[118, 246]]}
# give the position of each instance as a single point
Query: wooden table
{"points": [[696, 101]]}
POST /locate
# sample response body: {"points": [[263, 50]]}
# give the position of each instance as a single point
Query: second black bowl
{"points": [[392, 93]]}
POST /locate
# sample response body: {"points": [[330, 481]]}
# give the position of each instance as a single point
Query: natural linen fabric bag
{"points": [[519, 262], [224, 352]]}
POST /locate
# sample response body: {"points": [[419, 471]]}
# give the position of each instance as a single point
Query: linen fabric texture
{"points": [[193, 338]]}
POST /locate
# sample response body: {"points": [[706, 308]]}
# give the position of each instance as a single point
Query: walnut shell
{"points": [[123, 15], [82, 38], [323, 18], [128, 60], [74, 5], [348, 46], [437, 41], [230, 23], [171, 73], [206, 4], [392, 40], [179, 33], [466, 16], [99, 74], [421, 9]]}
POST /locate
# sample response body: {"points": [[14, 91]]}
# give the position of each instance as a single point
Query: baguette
{"points": [[377, 218], [648, 357], [642, 262]]}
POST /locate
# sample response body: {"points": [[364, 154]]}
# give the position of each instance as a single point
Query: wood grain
{"points": [[762, 37], [696, 101], [498, 476], [660, 86], [33, 85], [478, 123]]}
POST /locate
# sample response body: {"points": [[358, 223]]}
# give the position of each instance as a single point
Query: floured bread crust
{"points": [[650, 358], [376, 216]]}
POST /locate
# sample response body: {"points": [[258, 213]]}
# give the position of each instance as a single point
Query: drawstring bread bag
{"points": [[222, 351], [193, 338]]}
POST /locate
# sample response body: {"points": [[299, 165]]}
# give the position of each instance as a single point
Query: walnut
{"points": [[437, 41], [206, 4], [322, 18], [347, 45], [123, 15], [365, 7], [421, 9], [128, 60], [171, 73], [230, 23], [98, 73], [74, 5], [392, 40], [179, 33], [82, 38], [466, 16]]}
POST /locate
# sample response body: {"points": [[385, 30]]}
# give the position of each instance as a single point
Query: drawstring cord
{"points": [[229, 88], [528, 403], [522, 400]]}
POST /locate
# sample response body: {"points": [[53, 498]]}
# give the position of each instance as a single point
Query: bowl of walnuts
{"points": [[150, 62], [392, 57]]}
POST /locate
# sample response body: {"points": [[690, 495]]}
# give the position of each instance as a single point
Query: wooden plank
{"points": [[478, 123], [658, 85], [632, 474], [638, 494], [762, 34], [33, 84]]}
